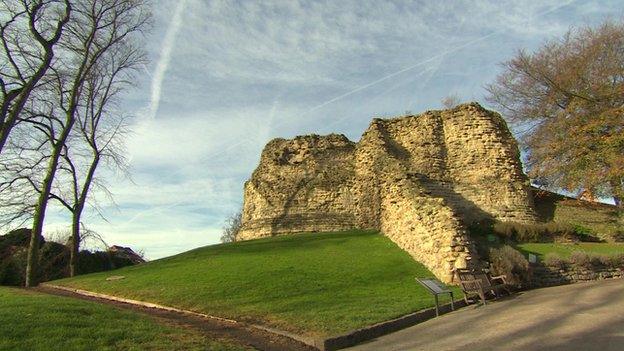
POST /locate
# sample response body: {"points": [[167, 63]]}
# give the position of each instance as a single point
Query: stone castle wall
{"points": [[303, 184], [419, 179]]}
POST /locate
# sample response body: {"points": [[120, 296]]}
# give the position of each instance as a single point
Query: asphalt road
{"points": [[582, 316]]}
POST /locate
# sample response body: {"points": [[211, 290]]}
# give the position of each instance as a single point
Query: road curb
{"points": [[376, 330], [323, 344]]}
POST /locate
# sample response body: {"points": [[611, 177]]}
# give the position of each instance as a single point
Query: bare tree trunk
{"points": [[42, 204], [77, 214], [32, 272], [57, 148], [32, 275], [75, 247]]}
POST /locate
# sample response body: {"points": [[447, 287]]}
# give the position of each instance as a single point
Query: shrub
{"points": [[17, 237], [530, 234], [510, 262], [522, 232], [53, 261], [553, 260], [232, 226], [580, 259], [616, 261], [13, 268], [534, 233], [582, 231], [600, 260], [481, 228], [597, 260], [505, 229], [565, 232]]}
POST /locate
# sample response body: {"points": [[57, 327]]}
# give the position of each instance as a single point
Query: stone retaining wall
{"points": [[548, 276]]}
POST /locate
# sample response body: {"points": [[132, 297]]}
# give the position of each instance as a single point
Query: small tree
{"points": [[232, 227], [510, 262], [568, 96], [450, 101], [99, 129], [98, 31]]}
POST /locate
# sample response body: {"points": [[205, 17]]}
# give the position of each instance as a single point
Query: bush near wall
{"points": [[581, 259], [497, 242], [510, 262], [532, 233]]}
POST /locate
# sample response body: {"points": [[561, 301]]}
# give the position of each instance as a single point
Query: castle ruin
{"points": [[420, 180]]}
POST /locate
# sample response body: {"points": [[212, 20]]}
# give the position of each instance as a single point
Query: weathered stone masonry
{"points": [[419, 179]]}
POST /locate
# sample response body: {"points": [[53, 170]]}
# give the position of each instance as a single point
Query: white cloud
{"points": [[191, 142], [230, 76], [158, 241]]}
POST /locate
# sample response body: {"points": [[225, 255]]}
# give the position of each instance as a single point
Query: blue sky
{"points": [[226, 77]]}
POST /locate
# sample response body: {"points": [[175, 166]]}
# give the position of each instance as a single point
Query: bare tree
{"points": [[22, 166], [29, 32], [568, 96], [232, 227], [100, 128], [98, 31], [450, 101]]}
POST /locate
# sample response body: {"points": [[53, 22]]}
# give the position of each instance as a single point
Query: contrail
{"points": [[432, 58], [439, 56], [172, 31], [153, 209], [409, 68], [430, 70], [272, 113], [165, 57]]}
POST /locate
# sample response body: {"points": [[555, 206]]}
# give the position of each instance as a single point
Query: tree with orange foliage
{"points": [[568, 96]]}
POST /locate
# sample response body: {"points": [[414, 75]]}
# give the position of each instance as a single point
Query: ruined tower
{"points": [[420, 180]]}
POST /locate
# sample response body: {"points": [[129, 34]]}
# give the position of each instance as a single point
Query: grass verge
{"points": [[34, 321], [317, 284], [564, 250]]}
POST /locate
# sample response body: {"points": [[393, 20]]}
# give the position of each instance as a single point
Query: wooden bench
{"points": [[479, 283]]}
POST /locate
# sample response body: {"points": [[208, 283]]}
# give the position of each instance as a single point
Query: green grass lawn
{"points": [[34, 321], [564, 250], [312, 284]]}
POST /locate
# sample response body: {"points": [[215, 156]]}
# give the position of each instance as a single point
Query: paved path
{"points": [[582, 316]]}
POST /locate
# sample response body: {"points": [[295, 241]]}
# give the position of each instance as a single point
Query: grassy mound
{"points": [[565, 250], [33, 321], [312, 284], [596, 219]]}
